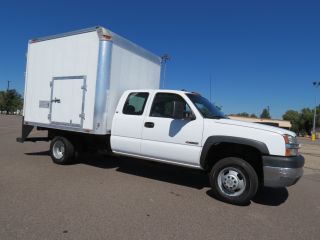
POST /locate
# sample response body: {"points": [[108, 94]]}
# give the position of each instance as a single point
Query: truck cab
{"points": [[184, 128]]}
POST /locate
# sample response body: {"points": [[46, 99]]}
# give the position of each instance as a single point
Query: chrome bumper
{"points": [[281, 177], [282, 171]]}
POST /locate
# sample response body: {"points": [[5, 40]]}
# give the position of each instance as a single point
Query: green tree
{"points": [[2, 101], [243, 114], [306, 120], [12, 101], [302, 121], [294, 118], [265, 114]]}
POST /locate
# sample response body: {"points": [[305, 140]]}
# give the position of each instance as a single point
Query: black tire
{"points": [[234, 173], [67, 154]]}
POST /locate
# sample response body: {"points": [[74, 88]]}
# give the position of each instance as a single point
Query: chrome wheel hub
{"points": [[231, 181], [58, 149]]}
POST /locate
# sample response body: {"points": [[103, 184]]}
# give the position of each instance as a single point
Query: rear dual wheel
{"points": [[234, 180], [62, 150]]}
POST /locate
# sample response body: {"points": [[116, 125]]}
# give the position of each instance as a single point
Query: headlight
{"points": [[292, 145]]}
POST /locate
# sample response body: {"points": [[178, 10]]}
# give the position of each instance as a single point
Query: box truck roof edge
{"points": [[105, 34]]}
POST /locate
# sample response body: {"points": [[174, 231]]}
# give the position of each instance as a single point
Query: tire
{"points": [[62, 151], [234, 180]]}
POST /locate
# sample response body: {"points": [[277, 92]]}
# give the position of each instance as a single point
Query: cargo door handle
{"points": [[55, 100], [149, 124]]}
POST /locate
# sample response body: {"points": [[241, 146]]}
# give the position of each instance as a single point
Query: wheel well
{"points": [[222, 150]]}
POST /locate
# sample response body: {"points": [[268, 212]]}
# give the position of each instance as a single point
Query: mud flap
{"points": [[25, 131]]}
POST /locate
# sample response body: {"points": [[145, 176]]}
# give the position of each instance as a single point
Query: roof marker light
{"points": [[106, 37]]}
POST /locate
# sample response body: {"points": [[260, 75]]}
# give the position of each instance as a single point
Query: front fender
{"points": [[215, 140]]}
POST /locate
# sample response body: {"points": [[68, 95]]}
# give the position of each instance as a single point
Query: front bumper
{"points": [[282, 171]]}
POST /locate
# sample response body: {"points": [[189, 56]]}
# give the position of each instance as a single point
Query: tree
{"points": [[243, 114], [302, 122], [2, 101], [294, 118], [306, 120], [265, 114], [11, 101]]}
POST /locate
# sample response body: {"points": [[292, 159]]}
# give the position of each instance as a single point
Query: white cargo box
{"points": [[74, 80]]}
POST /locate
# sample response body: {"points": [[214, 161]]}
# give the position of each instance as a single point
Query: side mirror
{"points": [[178, 110]]}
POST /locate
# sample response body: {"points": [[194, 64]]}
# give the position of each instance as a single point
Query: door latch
{"points": [[82, 116], [56, 100]]}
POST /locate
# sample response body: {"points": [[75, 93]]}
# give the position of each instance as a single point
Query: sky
{"points": [[257, 53]]}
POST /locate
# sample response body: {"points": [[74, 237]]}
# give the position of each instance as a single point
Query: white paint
{"points": [[129, 71], [158, 160], [271, 136], [169, 138], [67, 56], [77, 55], [69, 106], [167, 141], [127, 129]]}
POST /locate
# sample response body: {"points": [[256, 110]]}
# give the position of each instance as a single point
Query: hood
{"points": [[255, 126]]}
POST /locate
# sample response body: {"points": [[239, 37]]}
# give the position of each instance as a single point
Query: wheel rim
{"points": [[232, 181], [58, 149]]}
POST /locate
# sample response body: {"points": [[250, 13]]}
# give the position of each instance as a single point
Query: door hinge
{"points": [[82, 115], [51, 83], [49, 116], [84, 87]]}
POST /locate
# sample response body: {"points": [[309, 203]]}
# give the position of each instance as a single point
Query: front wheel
{"points": [[62, 151], [234, 180]]}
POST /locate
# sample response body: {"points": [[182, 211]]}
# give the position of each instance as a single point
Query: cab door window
{"points": [[163, 105]]}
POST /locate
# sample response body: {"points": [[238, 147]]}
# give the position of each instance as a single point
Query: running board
{"points": [[33, 139]]}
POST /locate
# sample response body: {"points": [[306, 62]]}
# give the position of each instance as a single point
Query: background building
{"points": [[273, 122]]}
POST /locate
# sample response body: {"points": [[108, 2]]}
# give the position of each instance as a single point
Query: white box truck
{"points": [[94, 90]]}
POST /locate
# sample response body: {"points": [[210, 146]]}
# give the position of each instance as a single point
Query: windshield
{"points": [[207, 109]]}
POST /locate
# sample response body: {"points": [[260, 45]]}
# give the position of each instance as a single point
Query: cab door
{"points": [[128, 122], [169, 139]]}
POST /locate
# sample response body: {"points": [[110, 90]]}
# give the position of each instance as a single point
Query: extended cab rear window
{"points": [[135, 103]]}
